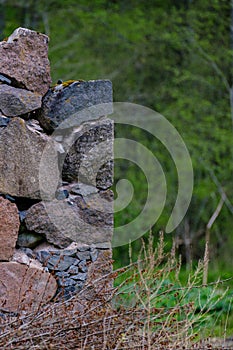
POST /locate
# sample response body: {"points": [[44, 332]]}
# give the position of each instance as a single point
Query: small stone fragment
{"points": [[29, 252], [83, 255], [60, 263], [61, 194], [65, 252], [43, 256], [21, 257], [66, 282], [5, 80], [93, 254], [4, 121], [80, 276], [73, 270], [62, 274], [22, 215], [82, 266]]}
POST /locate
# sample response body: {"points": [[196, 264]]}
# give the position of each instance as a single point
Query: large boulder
{"points": [[70, 104], [14, 102], [9, 227], [23, 287], [24, 59], [21, 149]]}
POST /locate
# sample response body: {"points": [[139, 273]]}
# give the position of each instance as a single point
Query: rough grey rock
{"points": [[29, 240], [62, 274], [62, 223], [43, 256], [21, 257], [67, 292], [81, 189], [73, 270], [93, 254], [21, 149], [60, 263], [89, 159], [82, 266], [61, 194], [24, 60], [67, 103], [14, 101], [80, 276], [66, 252], [66, 282], [84, 255], [29, 252]]}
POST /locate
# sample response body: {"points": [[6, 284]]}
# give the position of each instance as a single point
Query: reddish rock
{"points": [[9, 227], [24, 57], [24, 288]]}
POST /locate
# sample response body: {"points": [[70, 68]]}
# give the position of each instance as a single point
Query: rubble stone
{"points": [[21, 149], [68, 104], [24, 60], [14, 102], [24, 287]]}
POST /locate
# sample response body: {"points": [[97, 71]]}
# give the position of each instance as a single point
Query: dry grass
{"points": [[146, 311]]}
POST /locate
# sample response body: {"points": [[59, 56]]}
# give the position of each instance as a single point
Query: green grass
{"points": [[171, 285]]}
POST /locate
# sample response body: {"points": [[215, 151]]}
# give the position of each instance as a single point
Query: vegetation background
{"points": [[174, 56]]}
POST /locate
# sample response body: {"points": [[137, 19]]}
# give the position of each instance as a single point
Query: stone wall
{"points": [[56, 171]]}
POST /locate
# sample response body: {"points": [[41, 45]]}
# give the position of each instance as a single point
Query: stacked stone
{"points": [[56, 170], [69, 266]]}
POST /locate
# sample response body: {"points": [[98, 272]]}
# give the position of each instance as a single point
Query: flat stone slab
{"points": [[69, 105], [14, 102], [24, 288], [24, 60], [21, 149], [9, 227]]}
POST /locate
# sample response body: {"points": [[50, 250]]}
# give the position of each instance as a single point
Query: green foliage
{"points": [[156, 283]]}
